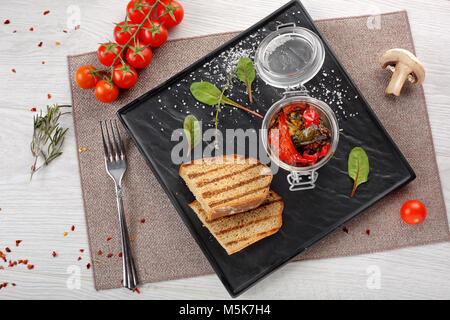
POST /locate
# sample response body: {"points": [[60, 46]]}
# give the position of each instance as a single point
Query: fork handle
{"points": [[130, 279]]}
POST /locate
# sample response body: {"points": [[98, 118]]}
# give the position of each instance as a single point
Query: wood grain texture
{"points": [[39, 213]]}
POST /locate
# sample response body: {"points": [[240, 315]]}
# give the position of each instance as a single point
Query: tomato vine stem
{"points": [[133, 36]]}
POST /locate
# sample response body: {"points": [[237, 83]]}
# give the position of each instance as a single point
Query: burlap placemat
{"points": [[162, 246]]}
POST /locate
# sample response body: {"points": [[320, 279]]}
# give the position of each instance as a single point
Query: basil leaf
{"points": [[192, 131], [246, 73], [358, 167]]}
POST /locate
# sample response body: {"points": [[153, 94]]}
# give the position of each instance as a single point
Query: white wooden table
{"points": [[39, 213]]}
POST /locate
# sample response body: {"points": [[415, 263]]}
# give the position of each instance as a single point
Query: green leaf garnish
{"points": [[246, 73], [192, 131], [358, 167]]}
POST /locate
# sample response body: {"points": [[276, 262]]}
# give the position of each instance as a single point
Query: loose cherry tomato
{"points": [[311, 116], [139, 55], [124, 76], [153, 33], [86, 77], [138, 9], [170, 12], [124, 31], [413, 212], [107, 52], [106, 91]]}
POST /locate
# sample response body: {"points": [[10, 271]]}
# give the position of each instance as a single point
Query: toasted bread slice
{"points": [[227, 185], [241, 230]]}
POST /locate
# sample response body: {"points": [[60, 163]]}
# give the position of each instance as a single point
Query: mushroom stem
{"points": [[399, 77]]}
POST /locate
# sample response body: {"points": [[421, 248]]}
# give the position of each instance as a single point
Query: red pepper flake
{"points": [[14, 31], [137, 291], [33, 109], [40, 44], [18, 242], [109, 255], [54, 254], [31, 29], [7, 249], [3, 256], [81, 250], [88, 266], [25, 261], [3, 285], [7, 22], [132, 239], [13, 70], [79, 258], [65, 31], [13, 284], [368, 232], [46, 12], [49, 95], [99, 252], [120, 254], [73, 228], [30, 266], [77, 27], [20, 261], [109, 238], [43, 62], [345, 229], [1, 268], [142, 220]]}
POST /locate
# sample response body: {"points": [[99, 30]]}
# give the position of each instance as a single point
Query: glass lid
{"points": [[289, 57]]}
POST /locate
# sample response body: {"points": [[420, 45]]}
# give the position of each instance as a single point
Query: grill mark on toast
{"points": [[209, 194], [216, 203], [206, 182], [261, 234], [198, 174], [245, 225], [232, 216]]}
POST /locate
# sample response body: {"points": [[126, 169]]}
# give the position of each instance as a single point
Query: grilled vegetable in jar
{"points": [[299, 136]]}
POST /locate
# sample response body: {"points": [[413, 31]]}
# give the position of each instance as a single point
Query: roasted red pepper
{"points": [[284, 148], [311, 116], [312, 158], [293, 107], [324, 150]]}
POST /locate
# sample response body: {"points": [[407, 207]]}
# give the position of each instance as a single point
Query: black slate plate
{"points": [[309, 216]]}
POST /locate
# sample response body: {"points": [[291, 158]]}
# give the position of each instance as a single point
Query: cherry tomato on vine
{"points": [[153, 33], [105, 91], [311, 116], [413, 212], [86, 77], [123, 32], [138, 9], [139, 55], [170, 12], [124, 76], [107, 52]]}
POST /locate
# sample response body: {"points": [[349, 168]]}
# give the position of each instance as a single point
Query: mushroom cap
{"points": [[405, 57]]}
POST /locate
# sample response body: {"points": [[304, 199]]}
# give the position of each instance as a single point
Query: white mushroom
{"points": [[405, 65]]}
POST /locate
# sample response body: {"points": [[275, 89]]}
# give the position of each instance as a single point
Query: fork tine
{"points": [[113, 152], [116, 146], [105, 148], [122, 148]]}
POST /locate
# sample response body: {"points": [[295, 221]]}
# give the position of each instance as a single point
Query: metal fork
{"points": [[116, 165]]}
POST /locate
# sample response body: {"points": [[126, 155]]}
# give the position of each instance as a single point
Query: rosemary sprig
{"points": [[48, 137]]}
